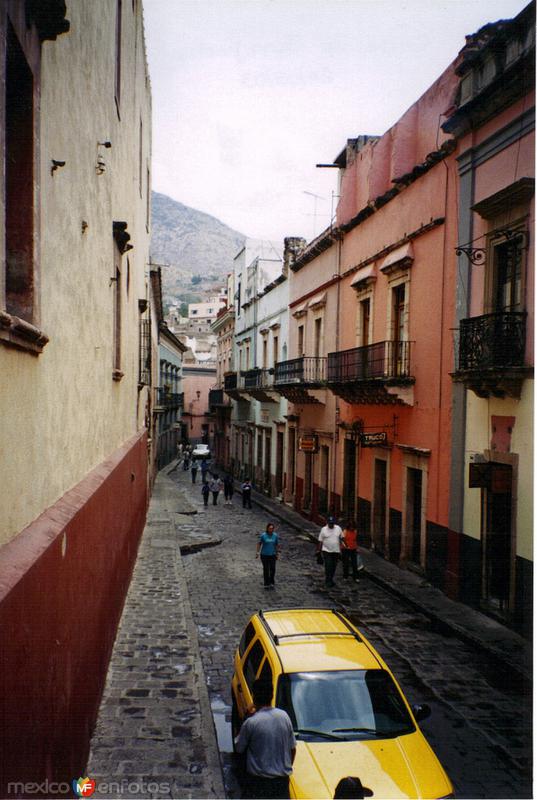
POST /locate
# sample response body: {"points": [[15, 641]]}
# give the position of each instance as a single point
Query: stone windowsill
{"points": [[16, 332]]}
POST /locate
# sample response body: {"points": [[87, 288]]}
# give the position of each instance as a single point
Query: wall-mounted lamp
{"points": [[55, 165]]}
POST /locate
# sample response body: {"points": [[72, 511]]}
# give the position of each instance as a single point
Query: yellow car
{"points": [[349, 715]]}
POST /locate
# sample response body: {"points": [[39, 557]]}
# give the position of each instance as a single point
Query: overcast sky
{"points": [[248, 95]]}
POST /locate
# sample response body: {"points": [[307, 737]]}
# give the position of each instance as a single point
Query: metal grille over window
{"points": [[145, 352]]}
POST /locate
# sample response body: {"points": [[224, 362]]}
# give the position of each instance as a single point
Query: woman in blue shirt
{"points": [[269, 548]]}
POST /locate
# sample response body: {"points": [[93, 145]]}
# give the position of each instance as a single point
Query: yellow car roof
{"points": [[309, 639]]}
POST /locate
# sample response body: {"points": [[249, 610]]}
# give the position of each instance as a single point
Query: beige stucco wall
{"points": [[479, 413], [61, 411]]}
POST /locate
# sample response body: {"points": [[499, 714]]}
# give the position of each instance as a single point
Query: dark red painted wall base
{"points": [[63, 582]]}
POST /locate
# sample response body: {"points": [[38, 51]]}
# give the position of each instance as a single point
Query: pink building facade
{"points": [[378, 423]]}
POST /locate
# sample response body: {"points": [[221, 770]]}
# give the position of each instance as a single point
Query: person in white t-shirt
{"points": [[329, 545]]}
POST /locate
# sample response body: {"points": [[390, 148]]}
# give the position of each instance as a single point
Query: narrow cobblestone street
{"points": [[196, 583], [479, 728]]}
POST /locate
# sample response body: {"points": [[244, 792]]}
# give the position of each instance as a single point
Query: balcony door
{"points": [[507, 275], [398, 327]]}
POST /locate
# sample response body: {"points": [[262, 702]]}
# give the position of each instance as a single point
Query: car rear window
{"points": [[344, 704], [266, 672], [253, 660], [247, 637]]}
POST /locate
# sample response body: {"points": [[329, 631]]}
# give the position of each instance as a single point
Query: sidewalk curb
{"points": [[208, 730]]}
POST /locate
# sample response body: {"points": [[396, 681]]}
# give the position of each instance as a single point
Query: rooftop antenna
{"points": [[315, 198]]}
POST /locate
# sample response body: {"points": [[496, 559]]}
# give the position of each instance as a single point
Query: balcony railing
{"points": [[492, 341], [230, 382], [306, 370], [258, 379], [381, 361], [168, 399], [216, 397]]}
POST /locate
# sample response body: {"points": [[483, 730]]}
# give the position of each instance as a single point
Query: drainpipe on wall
{"points": [[336, 415]]}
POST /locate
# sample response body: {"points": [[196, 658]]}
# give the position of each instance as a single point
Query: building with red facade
{"points": [[386, 423]]}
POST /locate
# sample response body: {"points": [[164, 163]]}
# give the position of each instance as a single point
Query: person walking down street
{"points": [[268, 547], [194, 471], [246, 488], [204, 470], [228, 490], [268, 740], [215, 486], [349, 550], [205, 492], [329, 544], [186, 457]]}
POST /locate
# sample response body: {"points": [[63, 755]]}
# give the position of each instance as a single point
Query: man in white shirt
{"points": [[268, 739], [330, 545]]}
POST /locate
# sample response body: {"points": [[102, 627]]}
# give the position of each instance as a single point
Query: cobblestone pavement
{"points": [[155, 734], [195, 584], [481, 722]]}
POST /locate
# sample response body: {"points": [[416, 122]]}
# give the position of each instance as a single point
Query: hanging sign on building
{"points": [[308, 443], [373, 439]]}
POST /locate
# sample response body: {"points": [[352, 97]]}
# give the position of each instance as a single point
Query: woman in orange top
{"points": [[349, 550]]}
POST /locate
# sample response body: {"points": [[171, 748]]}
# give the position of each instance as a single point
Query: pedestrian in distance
{"points": [[268, 547], [228, 490], [268, 740], [194, 471], [204, 470], [329, 545], [215, 486], [205, 492], [349, 550], [246, 488], [186, 457]]}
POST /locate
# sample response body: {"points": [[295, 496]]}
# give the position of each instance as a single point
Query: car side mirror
{"points": [[421, 711]]}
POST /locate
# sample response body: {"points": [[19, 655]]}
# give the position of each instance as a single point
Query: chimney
{"points": [[292, 248]]}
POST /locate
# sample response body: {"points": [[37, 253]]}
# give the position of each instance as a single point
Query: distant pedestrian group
{"points": [[334, 542]]}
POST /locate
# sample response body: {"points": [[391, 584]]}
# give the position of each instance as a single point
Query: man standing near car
{"points": [[269, 742], [329, 544]]}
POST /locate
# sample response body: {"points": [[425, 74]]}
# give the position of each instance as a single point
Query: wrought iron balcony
{"points": [[231, 385], [295, 378], [491, 354], [258, 383], [216, 397], [368, 374], [306, 370]]}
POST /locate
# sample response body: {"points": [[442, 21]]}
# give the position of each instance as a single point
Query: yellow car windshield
{"points": [[344, 704]]}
